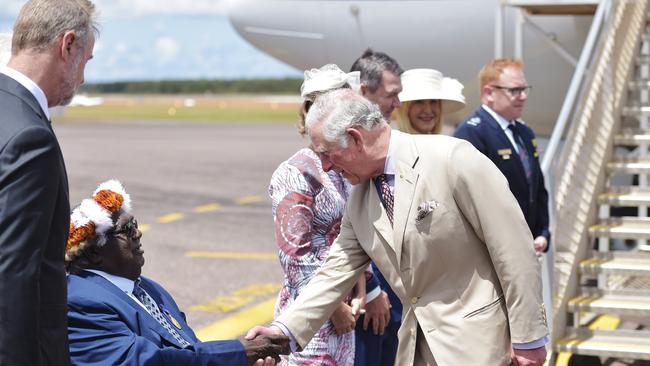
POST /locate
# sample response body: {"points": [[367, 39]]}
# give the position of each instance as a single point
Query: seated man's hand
{"points": [[377, 311], [269, 361], [343, 319], [259, 349]]}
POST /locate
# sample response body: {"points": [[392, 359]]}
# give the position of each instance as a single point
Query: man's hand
{"points": [[264, 349], [529, 357], [377, 311], [265, 331], [269, 361], [343, 319], [540, 245]]}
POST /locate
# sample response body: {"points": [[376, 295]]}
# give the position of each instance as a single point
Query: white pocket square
{"points": [[426, 208]]}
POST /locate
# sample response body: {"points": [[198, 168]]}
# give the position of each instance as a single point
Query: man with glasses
{"points": [[497, 131], [118, 317]]}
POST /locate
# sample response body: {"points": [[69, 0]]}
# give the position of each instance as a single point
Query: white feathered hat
{"points": [[93, 218]]}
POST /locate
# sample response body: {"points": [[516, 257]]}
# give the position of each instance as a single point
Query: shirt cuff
{"points": [[292, 341], [531, 345], [373, 294]]}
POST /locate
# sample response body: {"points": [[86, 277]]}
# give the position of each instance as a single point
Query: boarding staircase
{"points": [[601, 195]]}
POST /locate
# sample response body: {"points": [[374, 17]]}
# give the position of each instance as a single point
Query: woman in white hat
{"points": [[308, 204], [426, 96]]}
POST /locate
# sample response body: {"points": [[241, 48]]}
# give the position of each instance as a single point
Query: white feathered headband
{"points": [[92, 219]]}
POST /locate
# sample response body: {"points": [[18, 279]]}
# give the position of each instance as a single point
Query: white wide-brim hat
{"points": [[424, 84]]}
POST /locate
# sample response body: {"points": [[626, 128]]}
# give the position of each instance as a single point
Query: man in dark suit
{"points": [[496, 130], [121, 318], [52, 41]]}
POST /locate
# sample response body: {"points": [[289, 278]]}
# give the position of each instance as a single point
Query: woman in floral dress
{"points": [[308, 204]]}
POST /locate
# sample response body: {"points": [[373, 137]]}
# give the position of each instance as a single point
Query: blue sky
{"points": [[168, 39]]}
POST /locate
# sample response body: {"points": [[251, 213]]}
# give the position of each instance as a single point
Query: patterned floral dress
{"points": [[308, 204]]}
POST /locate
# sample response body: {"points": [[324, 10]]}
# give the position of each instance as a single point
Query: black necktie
{"points": [[523, 154]]}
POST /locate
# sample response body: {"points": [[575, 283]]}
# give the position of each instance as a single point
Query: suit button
{"points": [[414, 300], [413, 332]]}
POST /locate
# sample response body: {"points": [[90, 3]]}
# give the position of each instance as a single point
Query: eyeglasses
{"points": [[515, 92], [130, 229]]}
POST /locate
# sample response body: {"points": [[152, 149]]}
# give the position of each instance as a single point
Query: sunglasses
{"points": [[129, 230]]}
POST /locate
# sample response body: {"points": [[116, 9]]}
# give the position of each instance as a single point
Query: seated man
{"points": [[117, 317]]}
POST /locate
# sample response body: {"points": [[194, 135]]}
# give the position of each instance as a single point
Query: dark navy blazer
{"points": [[485, 133], [34, 224], [107, 327]]}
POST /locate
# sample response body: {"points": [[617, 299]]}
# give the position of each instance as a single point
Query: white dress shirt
{"points": [[504, 123], [124, 284]]}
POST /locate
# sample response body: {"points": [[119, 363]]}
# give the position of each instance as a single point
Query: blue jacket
{"points": [[485, 133], [107, 327]]}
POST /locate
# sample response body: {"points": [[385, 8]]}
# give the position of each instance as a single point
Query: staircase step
{"points": [[639, 84], [625, 196], [629, 166], [636, 111], [631, 137], [606, 343], [624, 263], [623, 303], [643, 60], [622, 228]]}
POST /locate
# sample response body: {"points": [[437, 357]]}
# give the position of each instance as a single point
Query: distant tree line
{"points": [[242, 86]]}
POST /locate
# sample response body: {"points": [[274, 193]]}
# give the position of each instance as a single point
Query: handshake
{"points": [[265, 350]]}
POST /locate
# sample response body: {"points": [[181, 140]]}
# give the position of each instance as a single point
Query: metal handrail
{"points": [[552, 149], [574, 87]]}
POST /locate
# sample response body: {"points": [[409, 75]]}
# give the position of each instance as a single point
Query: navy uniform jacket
{"points": [[488, 137], [34, 224], [107, 327]]}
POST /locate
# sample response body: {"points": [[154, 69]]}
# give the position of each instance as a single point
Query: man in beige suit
{"points": [[457, 252]]}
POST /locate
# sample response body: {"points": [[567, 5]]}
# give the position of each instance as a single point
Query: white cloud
{"points": [[130, 8], [11, 7], [166, 49], [126, 8]]}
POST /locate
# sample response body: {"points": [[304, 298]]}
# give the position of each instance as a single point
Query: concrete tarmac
{"points": [[195, 188]]}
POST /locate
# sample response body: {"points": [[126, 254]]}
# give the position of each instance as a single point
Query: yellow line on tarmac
{"points": [[246, 200], [144, 227], [166, 219], [207, 208], [232, 255], [238, 324]]}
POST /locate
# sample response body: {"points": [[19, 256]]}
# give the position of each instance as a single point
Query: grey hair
{"points": [[372, 65], [338, 110], [5, 48], [41, 22]]}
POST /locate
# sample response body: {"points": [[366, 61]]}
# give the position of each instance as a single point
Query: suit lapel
{"points": [[145, 320], [504, 140], [378, 216], [13, 87], [406, 179]]}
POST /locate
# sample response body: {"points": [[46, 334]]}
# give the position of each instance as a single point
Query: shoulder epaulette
{"points": [[474, 121]]}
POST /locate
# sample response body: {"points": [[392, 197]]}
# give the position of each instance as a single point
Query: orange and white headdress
{"points": [[93, 218]]}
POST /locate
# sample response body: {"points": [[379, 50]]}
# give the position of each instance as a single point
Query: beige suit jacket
{"points": [[466, 271]]}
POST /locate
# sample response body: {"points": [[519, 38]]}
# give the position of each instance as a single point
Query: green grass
{"points": [[239, 114]]}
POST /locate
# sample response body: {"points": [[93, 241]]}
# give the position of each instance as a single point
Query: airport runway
{"points": [[200, 194]]}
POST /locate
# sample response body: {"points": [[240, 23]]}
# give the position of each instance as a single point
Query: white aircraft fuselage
{"points": [[456, 37]]}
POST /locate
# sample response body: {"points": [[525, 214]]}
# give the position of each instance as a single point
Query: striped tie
{"points": [[386, 196], [153, 309]]}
